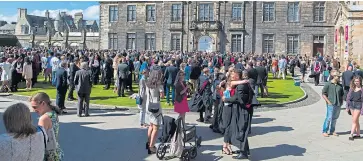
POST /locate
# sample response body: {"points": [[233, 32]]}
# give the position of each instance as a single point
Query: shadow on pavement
{"points": [[261, 120], [266, 153], [265, 130]]}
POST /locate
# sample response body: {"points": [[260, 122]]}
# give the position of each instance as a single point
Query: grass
{"points": [[280, 91]]}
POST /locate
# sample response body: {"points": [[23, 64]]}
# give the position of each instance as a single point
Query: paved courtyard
{"points": [[288, 134]]}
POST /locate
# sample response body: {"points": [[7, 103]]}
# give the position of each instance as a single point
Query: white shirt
{"points": [[54, 63]]}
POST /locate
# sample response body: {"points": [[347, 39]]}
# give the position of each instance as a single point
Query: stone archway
{"points": [[205, 43]]}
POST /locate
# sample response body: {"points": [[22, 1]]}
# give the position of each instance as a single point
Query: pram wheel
{"points": [[185, 155], [161, 151], [193, 152]]}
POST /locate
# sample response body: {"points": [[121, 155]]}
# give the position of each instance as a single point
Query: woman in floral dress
{"points": [[48, 113]]}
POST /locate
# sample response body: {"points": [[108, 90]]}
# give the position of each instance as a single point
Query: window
{"points": [[236, 43], [268, 43], [237, 12], [150, 41], [112, 41], [175, 42], [293, 44], [205, 12], [293, 12], [150, 13], [113, 13], [319, 8], [131, 41], [268, 11], [319, 39], [24, 29], [176, 12], [131, 13]]}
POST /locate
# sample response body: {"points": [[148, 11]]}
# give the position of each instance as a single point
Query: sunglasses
{"points": [[36, 106]]}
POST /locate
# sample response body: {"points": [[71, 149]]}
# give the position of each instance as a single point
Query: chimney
{"points": [[63, 14], [22, 12], [47, 14], [78, 16]]}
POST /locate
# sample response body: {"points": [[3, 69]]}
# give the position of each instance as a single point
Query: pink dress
{"points": [[181, 107]]}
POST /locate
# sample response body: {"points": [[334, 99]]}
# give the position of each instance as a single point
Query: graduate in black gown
{"points": [[238, 128]]}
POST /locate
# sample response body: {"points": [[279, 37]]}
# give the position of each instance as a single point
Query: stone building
{"points": [[246, 26], [349, 32], [62, 31], [8, 29]]}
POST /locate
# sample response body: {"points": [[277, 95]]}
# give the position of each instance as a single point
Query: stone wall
{"points": [[252, 27]]}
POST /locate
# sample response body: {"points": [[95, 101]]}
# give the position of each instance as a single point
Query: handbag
{"points": [[139, 100], [153, 107]]}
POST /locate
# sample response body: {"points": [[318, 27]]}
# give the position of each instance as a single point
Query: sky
{"points": [[8, 9]]}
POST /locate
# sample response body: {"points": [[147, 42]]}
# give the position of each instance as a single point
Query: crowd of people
{"points": [[223, 87]]}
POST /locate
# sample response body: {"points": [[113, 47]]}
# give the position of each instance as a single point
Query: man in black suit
{"points": [[73, 68], [239, 65], [129, 76], [170, 74], [83, 83], [194, 75], [122, 74], [252, 75], [347, 77], [261, 77], [61, 85], [358, 72]]}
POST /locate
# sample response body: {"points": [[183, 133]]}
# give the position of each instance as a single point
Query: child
{"points": [[227, 92]]}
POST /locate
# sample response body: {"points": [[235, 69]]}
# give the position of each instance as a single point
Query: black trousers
{"points": [[107, 82], [129, 82], [60, 98], [316, 79], [121, 86], [83, 103], [70, 92]]}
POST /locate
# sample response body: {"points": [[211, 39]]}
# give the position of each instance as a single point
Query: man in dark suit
{"points": [[170, 74], [261, 77], [83, 83], [358, 72], [227, 63], [347, 77], [122, 74], [239, 65], [73, 68], [252, 75], [61, 85], [129, 76]]}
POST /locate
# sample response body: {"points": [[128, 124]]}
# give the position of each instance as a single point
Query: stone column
{"points": [[195, 15]]}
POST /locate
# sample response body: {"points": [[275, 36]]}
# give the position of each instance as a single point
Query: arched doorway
{"points": [[205, 43]]}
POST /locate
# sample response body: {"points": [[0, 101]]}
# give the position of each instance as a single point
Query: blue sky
{"points": [[90, 9]]}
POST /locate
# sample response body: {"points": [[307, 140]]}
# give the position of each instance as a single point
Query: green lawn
{"points": [[279, 91]]}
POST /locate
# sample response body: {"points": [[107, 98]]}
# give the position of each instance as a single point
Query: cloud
{"points": [[9, 19], [90, 13]]}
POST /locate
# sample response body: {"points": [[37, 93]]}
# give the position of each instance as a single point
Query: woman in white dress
{"points": [[6, 73], [154, 91]]}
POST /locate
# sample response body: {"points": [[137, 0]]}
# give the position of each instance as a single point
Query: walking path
{"points": [[289, 134]]}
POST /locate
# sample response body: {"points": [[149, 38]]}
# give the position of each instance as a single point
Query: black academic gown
{"points": [[239, 122]]}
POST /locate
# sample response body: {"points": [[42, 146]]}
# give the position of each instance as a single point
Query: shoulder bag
{"points": [[153, 107]]}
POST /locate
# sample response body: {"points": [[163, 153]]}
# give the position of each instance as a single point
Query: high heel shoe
{"points": [[147, 145], [151, 150], [226, 151]]}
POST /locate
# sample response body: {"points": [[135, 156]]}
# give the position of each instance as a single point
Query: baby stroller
{"points": [[182, 133]]}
